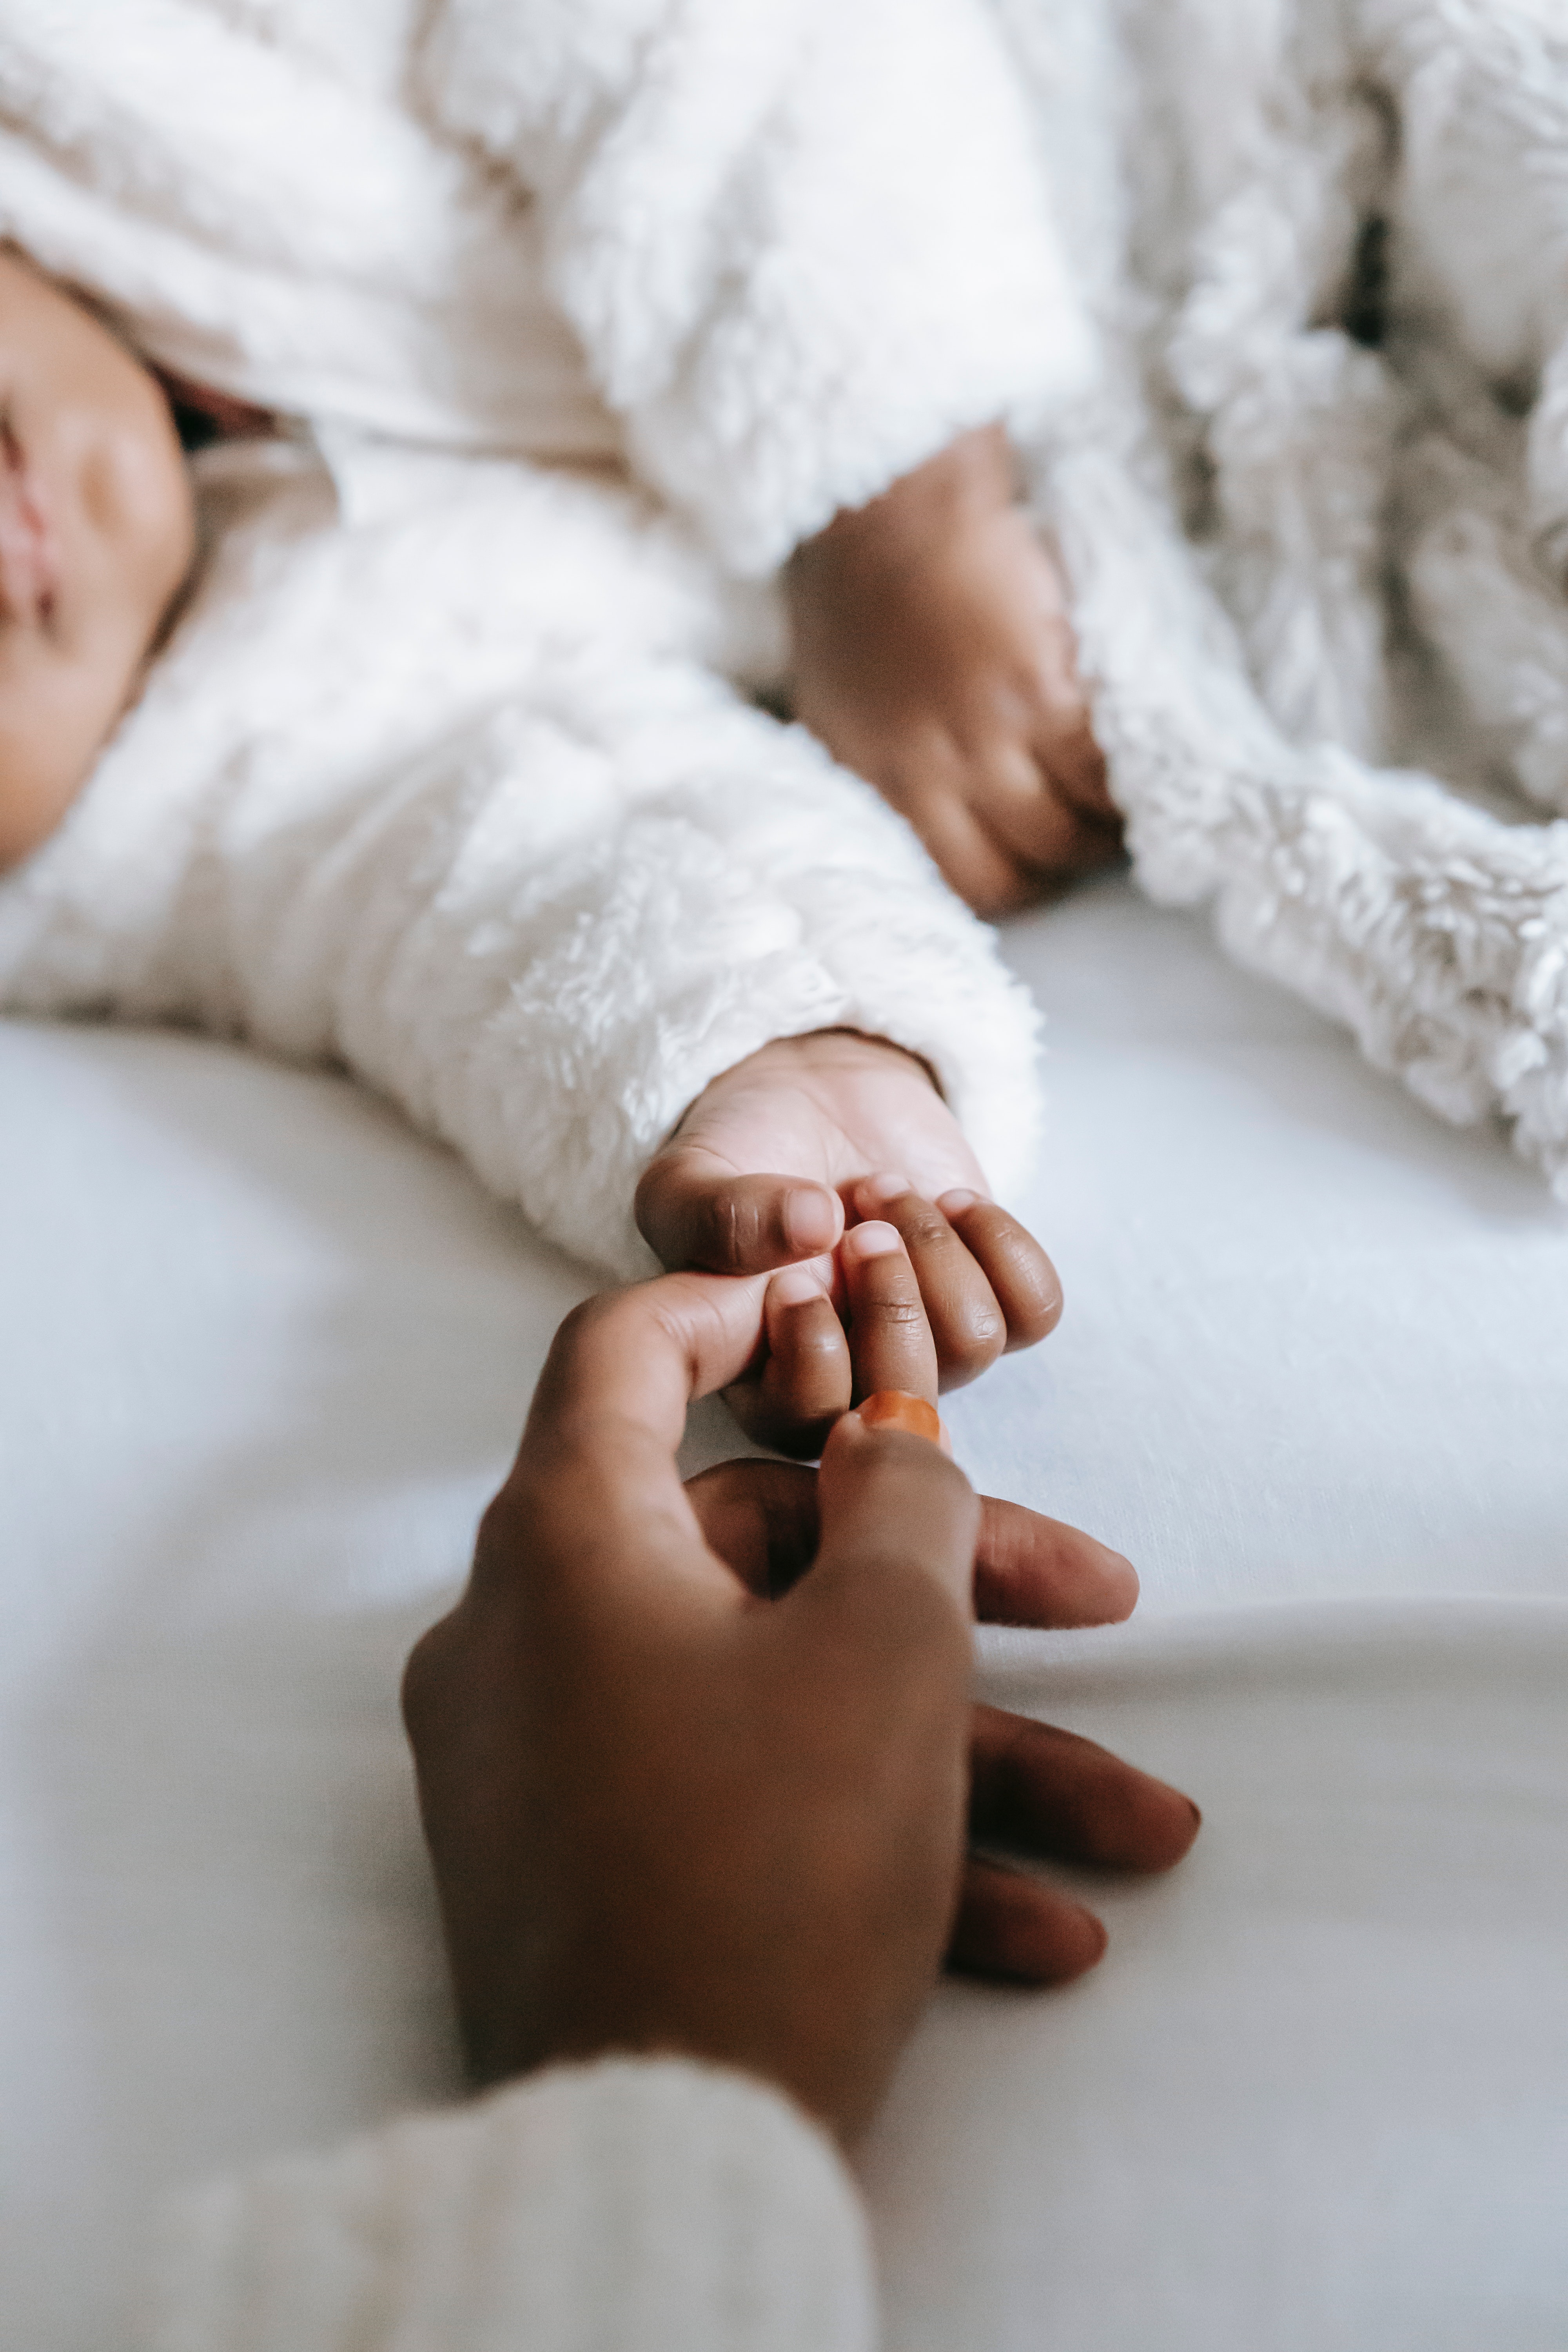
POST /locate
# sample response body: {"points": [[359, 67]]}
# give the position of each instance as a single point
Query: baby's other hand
{"points": [[870, 1150], [933, 654]]}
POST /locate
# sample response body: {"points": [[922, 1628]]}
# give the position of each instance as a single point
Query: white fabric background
{"points": [[265, 1352]]}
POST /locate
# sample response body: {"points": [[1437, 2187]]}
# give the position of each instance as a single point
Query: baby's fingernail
{"points": [[879, 1189], [810, 1220], [797, 1286], [897, 1409], [953, 1203], [873, 1240]]}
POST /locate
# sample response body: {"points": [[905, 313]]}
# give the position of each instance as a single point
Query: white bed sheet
{"points": [[264, 1354]]}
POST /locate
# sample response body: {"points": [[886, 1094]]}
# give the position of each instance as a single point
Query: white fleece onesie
{"points": [[445, 771]]}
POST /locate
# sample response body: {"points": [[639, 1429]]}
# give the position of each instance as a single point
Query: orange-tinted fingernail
{"points": [[897, 1409]]}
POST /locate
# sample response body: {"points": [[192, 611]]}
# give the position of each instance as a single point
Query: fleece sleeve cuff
{"points": [[629, 2206], [803, 248]]}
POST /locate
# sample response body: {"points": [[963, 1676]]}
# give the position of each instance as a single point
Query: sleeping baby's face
{"points": [[97, 533]]}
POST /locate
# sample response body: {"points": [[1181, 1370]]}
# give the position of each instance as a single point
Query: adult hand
{"points": [[802, 1140], [668, 1812]]}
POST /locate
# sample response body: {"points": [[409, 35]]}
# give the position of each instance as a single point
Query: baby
{"points": [[446, 759], [97, 538], [931, 649]]}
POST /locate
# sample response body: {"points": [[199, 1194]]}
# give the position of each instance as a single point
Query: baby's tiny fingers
{"points": [[966, 1321], [1027, 1286], [806, 1380], [804, 1383], [891, 1342], [1012, 1925]]}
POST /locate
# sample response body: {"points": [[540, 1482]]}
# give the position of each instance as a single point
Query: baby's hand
{"points": [[835, 1151], [932, 654]]}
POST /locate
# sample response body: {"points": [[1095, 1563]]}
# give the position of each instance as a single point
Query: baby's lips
{"points": [[897, 1409]]}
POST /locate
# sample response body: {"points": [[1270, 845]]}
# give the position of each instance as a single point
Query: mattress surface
{"points": [[265, 1353]]}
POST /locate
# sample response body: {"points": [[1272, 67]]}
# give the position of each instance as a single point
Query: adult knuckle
{"points": [[979, 1347], [426, 1676]]}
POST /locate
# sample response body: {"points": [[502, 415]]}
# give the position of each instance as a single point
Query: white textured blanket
{"points": [[1315, 513]]}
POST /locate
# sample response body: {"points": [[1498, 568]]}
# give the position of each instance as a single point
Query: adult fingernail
{"points": [[873, 1240], [879, 1189], [797, 1286], [953, 1203], [1096, 1930], [897, 1409], [810, 1220]]}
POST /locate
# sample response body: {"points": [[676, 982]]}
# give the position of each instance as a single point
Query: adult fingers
{"points": [[694, 1210], [891, 1342], [805, 1382], [594, 1483], [968, 1327], [1024, 1283], [1051, 1793], [1012, 1925], [635, 1358], [893, 1507], [1031, 1570]]}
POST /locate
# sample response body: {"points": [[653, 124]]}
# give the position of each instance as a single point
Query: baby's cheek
{"points": [[53, 720]]}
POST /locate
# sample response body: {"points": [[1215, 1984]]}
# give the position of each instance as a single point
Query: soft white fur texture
{"points": [[437, 778], [778, 255], [652, 2204], [1301, 563], [445, 771]]}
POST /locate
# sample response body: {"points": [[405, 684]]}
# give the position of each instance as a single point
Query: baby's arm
{"points": [[546, 930], [802, 246], [810, 255]]}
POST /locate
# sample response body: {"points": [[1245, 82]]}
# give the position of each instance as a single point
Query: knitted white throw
{"points": [[1316, 516]]}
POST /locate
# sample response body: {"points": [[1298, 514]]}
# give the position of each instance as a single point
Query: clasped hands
{"points": [[699, 1766]]}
